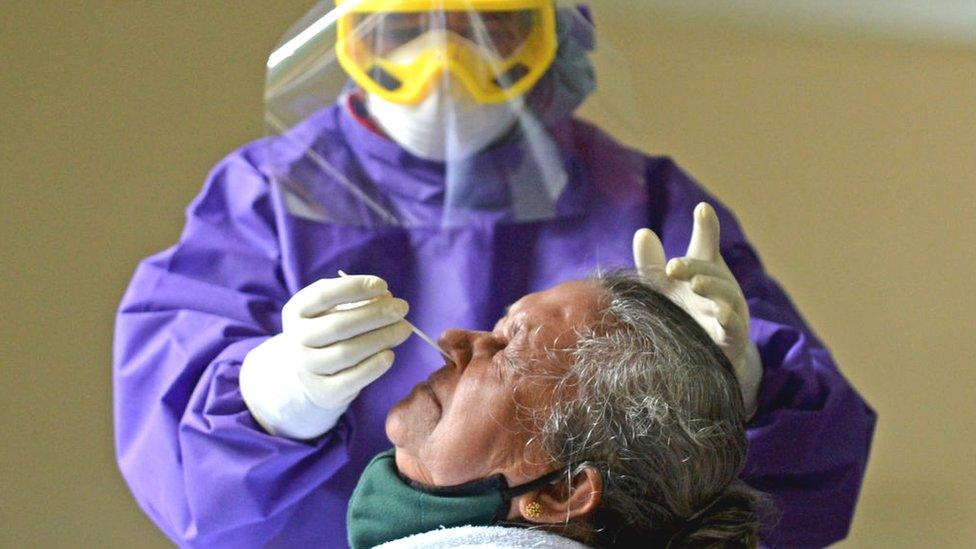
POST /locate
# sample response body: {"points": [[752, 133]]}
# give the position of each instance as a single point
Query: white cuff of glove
{"points": [[276, 397]]}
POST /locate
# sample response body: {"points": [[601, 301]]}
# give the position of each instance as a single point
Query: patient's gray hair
{"points": [[654, 405]]}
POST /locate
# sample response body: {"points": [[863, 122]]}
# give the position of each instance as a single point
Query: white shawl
{"points": [[484, 537]]}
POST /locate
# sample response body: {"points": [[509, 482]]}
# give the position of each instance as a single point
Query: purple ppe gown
{"points": [[209, 476]]}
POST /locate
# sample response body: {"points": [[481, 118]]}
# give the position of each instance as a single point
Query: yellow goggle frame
{"points": [[478, 75]]}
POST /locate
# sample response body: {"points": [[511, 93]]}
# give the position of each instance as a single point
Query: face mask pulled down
{"points": [[386, 506]]}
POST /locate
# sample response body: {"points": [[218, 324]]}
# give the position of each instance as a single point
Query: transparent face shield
{"points": [[431, 112]]}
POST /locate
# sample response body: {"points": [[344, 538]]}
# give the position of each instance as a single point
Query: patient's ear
{"points": [[563, 500]]}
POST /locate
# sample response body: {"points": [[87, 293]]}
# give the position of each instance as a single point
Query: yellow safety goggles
{"points": [[398, 49]]}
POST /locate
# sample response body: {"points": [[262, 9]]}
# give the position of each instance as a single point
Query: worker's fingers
{"points": [[686, 268], [339, 390], [648, 251], [736, 331], [719, 289], [704, 243], [322, 295], [344, 324], [344, 354]]}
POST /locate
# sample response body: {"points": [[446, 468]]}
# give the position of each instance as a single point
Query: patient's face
{"points": [[470, 419]]}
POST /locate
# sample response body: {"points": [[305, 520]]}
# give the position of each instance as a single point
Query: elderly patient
{"points": [[598, 413]]}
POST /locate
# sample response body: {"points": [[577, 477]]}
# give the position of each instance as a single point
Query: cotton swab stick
{"points": [[419, 333]]}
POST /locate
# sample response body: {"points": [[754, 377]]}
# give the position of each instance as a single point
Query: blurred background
{"points": [[843, 134]]}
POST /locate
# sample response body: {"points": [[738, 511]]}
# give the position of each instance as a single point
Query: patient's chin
{"points": [[411, 420]]}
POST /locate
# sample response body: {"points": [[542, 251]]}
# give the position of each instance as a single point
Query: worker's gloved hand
{"points": [[336, 340], [702, 284]]}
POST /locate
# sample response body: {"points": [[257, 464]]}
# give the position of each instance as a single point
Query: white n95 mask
{"points": [[448, 123]]}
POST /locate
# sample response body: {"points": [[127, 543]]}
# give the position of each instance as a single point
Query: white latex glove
{"points": [[336, 340], [702, 284]]}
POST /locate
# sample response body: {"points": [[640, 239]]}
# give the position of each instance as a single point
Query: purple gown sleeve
{"points": [[810, 437], [195, 460]]}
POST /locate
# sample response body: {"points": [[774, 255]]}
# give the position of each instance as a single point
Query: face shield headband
{"points": [[399, 49]]}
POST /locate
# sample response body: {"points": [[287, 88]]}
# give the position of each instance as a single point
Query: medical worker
{"points": [[437, 152]]}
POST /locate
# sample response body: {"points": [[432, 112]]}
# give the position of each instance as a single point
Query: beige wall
{"points": [[850, 163]]}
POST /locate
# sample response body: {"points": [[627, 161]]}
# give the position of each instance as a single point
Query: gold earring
{"points": [[533, 510]]}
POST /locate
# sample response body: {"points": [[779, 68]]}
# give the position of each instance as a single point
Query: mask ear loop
{"points": [[508, 494]]}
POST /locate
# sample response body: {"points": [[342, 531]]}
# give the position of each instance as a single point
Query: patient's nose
{"points": [[457, 344], [464, 345]]}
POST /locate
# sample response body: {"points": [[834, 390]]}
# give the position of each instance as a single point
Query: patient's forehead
{"points": [[573, 296], [559, 312]]}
